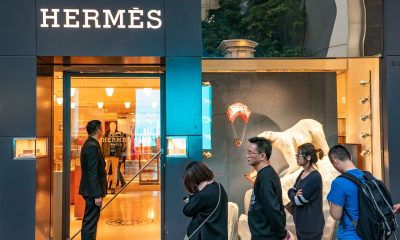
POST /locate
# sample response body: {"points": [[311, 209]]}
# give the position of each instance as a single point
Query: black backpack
{"points": [[376, 218]]}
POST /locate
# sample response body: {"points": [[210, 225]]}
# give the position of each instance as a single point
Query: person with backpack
{"points": [[360, 202]]}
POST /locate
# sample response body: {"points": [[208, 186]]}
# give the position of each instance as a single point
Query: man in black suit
{"points": [[93, 185]]}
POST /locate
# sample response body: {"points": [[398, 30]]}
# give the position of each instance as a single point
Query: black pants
{"points": [[90, 219]]}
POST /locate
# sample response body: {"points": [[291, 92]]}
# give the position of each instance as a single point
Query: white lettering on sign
{"points": [[108, 16], [70, 16], [91, 18], [91, 15], [53, 17]]}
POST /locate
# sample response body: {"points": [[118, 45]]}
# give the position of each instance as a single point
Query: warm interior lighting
{"points": [[73, 90], [73, 105], [109, 91], [59, 100], [147, 91], [127, 105], [100, 105]]}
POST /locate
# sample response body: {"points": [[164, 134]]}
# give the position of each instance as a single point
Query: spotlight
{"points": [[366, 153], [364, 100], [127, 105], [364, 117], [365, 135], [59, 100], [364, 83], [100, 105], [109, 91]]}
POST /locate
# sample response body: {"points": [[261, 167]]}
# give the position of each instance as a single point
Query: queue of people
{"points": [[207, 204]]}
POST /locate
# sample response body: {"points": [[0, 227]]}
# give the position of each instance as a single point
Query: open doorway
{"points": [[129, 107]]}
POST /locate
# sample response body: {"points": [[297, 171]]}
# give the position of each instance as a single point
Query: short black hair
{"points": [[195, 173], [92, 126], [263, 145], [339, 152]]}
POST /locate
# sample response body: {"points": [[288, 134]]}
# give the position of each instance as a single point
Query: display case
{"points": [[30, 148], [177, 146]]}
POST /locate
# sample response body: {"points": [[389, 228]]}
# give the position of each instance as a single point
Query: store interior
{"points": [[129, 109], [130, 106]]}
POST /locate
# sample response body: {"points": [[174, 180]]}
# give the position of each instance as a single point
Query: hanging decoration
{"points": [[243, 112]]}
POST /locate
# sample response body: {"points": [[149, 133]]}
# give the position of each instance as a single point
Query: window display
{"points": [[30, 148], [177, 147]]}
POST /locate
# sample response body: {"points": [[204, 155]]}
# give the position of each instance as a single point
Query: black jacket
{"points": [[267, 218], [308, 206], [94, 179], [200, 207]]}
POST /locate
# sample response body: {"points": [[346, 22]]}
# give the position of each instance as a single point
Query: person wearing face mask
{"points": [[306, 195]]}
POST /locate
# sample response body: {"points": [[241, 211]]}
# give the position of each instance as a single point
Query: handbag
{"points": [[205, 220], [289, 207]]}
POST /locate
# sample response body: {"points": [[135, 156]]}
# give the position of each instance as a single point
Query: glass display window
{"points": [[177, 147], [30, 148]]}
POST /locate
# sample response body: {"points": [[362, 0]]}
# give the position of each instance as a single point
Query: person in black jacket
{"points": [[93, 185], [306, 195], [208, 199], [267, 218]]}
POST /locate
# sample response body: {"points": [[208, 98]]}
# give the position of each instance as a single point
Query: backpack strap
{"points": [[357, 181], [352, 178]]}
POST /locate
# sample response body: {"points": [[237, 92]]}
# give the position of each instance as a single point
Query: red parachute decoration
{"points": [[238, 110]]}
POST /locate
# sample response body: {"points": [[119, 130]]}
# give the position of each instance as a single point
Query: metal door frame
{"points": [[66, 175]]}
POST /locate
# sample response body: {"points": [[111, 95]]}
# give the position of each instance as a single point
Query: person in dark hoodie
{"points": [[207, 204], [267, 218]]}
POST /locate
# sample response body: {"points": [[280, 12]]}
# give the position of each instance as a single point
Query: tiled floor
{"points": [[134, 214]]}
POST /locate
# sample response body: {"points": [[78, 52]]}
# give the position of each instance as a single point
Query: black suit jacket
{"points": [[94, 179]]}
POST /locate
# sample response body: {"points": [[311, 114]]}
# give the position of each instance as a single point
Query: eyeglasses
{"points": [[252, 153], [300, 155]]}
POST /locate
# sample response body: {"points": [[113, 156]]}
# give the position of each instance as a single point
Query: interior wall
{"points": [[43, 165], [359, 70], [277, 102]]}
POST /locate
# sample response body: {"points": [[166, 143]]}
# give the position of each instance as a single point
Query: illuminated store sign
{"points": [[134, 18]]}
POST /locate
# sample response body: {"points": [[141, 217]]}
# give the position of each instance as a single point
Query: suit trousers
{"points": [[90, 219]]}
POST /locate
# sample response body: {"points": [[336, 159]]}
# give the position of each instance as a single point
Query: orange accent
{"points": [[79, 208]]}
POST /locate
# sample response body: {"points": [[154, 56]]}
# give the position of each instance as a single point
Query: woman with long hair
{"points": [[207, 204], [306, 195]]}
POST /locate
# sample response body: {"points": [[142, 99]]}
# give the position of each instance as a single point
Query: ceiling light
{"points": [[73, 90], [59, 100], [127, 105], [100, 105], [109, 91], [73, 105], [147, 91]]}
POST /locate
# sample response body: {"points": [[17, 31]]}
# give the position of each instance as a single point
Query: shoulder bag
{"points": [[215, 209]]}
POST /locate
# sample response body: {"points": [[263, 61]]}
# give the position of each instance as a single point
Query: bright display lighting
{"points": [[100, 105], [127, 105], [109, 91], [73, 105], [59, 100], [73, 90], [147, 91]]}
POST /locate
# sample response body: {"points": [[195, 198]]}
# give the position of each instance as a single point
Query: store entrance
{"points": [[128, 107]]}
